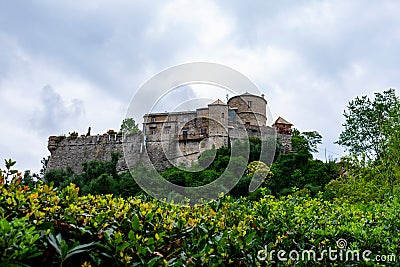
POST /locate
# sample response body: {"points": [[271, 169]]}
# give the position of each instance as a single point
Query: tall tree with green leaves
{"points": [[305, 142], [370, 124], [299, 169], [129, 126]]}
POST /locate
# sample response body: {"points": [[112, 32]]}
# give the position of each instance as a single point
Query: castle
{"points": [[174, 137]]}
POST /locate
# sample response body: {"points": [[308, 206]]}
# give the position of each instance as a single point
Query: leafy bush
{"points": [[18, 241], [259, 170], [364, 182], [61, 227], [298, 168]]}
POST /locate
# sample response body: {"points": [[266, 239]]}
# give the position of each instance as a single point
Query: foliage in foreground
{"points": [[44, 226], [372, 135], [40, 225]]}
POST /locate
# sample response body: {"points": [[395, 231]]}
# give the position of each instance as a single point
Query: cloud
{"points": [[53, 113], [308, 57], [173, 99], [104, 43]]}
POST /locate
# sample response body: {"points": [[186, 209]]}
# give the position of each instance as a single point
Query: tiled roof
{"points": [[218, 102], [282, 121]]}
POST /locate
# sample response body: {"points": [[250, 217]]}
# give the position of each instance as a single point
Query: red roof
{"points": [[281, 120]]}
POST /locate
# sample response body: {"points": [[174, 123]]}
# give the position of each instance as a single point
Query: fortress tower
{"points": [[251, 109], [175, 137]]}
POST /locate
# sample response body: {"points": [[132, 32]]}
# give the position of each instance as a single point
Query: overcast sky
{"points": [[67, 65]]}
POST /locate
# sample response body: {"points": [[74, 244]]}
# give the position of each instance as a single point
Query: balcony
{"points": [[191, 137]]}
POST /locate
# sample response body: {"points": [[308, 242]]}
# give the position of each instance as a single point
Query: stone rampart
{"points": [[74, 150]]}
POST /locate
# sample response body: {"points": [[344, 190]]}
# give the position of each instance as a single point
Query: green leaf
{"points": [[131, 236], [53, 241], [79, 249], [150, 241], [249, 238], [135, 223], [9, 163], [122, 246], [153, 261]]}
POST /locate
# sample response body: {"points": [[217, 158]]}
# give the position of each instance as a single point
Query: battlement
{"points": [[61, 140], [174, 137], [72, 151]]}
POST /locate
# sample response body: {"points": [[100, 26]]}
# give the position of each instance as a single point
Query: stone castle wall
{"points": [[73, 151], [174, 138]]}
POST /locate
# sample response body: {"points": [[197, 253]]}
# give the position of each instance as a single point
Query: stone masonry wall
{"points": [[73, 151]]}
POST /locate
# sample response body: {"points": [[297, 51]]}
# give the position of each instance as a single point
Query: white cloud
{"points": [[54, 114], [308, 57], [198, 23]]}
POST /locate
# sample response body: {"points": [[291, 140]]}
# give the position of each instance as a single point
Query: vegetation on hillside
{"points": [[295, 169], [100, 217], [44, 226], [372, 135]]}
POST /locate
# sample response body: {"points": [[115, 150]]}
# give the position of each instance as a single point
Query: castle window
{"points": [[249, 104], [222, 115], [185, 119], [153, 131], [167, 129], [231, 115], [203, 131], [184, 134], [153, 119]]}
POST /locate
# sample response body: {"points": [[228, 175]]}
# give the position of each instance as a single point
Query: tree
{"points": [[129, 126], [45, 163], [370, 123], [29, 178], [59, 177], [207, 157], [305, 142], [104, 184], [299, 169], [128, 186]]}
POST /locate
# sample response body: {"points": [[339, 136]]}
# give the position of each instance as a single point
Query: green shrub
{"points": [[18, 241], [144, 231]]}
